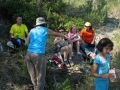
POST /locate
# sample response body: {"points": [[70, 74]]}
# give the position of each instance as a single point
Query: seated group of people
{"points": [[36, 41], [80, 40], [85, 40]]}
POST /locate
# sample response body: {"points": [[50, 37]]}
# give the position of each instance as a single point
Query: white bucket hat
{"points": [[40, 21]]}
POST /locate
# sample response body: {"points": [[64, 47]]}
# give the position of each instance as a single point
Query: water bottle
{"points": [[112, 71]]}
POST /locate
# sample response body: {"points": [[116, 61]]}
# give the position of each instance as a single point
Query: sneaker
{"points": [[78, 53], [65, 60], [10, 44]]}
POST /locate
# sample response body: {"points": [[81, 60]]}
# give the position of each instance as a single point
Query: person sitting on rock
{"points": [[64, 47], [18, 33], [74, 36], [87, 35]]}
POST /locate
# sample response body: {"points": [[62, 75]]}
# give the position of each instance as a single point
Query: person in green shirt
{"points": [[18, 33]]}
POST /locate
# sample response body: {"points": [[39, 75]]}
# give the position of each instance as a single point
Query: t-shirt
{"points": [[74, 36], [19, 31], [103, 66], [62, 43], [38, 37], [87, 36]]}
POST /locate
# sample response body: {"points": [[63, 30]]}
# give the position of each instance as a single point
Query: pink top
{"points": [[73, 36]]}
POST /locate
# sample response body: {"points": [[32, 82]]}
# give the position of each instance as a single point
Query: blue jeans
{"points": [[16, 43], [87, 47]]}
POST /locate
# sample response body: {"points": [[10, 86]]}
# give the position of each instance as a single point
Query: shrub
{"points": [[73, 21], [11, 9]]}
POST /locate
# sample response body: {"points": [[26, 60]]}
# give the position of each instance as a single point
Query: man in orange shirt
{"points": [[87, 35]]}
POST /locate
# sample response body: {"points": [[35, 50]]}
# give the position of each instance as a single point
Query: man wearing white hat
{"points": [[36, 41]]}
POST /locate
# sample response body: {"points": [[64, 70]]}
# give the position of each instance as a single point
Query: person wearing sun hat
{"points": [[87, 35], [36, 41]]}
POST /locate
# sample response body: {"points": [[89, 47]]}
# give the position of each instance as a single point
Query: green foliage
{"points": [[28, 12], [13, 71], [116, 62], [94, 11], [58, 7], [50, 45], [96, 17], [13, 8], [54, 20], [73, 21], [29, 16], [58, 80], [75, 3], [64, 85], [57, 21], [55, 11]]}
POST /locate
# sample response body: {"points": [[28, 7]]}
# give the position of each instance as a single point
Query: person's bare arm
{"points": [[11, 35], [94, 68], [12, 32], [81, 36], [56, 40], [26, 34], [53, 33], [93, 39], [26, 31], [27, 39]]}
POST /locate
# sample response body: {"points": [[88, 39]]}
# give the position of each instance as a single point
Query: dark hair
{"points": [[72, 28], [43, 25], [90, 27], [103, 43]]}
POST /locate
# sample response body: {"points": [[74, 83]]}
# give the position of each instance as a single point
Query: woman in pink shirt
{"points": [[74, 37]]}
